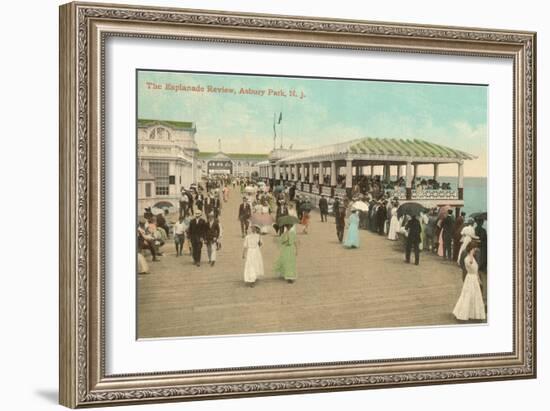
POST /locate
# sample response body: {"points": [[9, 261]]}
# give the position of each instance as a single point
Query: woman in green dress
{"points": [[286, 263]]}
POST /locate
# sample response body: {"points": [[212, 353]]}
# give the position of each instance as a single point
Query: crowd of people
{"points": [[377, 185], [198, 222], [281, 210]]}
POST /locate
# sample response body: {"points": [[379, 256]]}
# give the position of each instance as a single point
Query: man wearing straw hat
{"points": [[197, 229], [245, 212], [323, 208], [211, 236]]}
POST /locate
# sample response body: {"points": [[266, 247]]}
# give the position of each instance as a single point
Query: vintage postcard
{"points": [[272, 204]]}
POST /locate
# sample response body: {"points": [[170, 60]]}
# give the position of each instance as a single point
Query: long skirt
{"points": [[352, 238], [253, 266], [394, 228], [470, 304], [286, 263]]}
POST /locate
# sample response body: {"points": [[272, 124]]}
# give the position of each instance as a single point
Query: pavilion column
{"points": [[318, 172], [398, 171], [349, 181], [372, 170], [310, 172], [461, 181], [302, 173], [408, 181], [386, 172], [349, 170], [333, 173], [278, 172], [415, 173], [436, 171]]}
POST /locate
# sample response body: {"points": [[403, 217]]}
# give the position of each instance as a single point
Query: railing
{"points": [[340, 192], [427, 194], [438, 194]]}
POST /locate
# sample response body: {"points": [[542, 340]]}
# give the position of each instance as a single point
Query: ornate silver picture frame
{"points": [[85, 28]]}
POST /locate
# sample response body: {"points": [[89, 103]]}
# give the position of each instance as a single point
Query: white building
{"points": [[145, 189], [168, 152], [235, 164]]}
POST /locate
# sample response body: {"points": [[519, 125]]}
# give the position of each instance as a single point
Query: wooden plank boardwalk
{"points": [[336, 289]]}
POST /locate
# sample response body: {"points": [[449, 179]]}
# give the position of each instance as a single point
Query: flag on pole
{"points": [[280, 118], [274, 131]]}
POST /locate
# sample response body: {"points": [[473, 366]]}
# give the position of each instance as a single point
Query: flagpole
{"points": [[282, 133], [274, 132], [282, 127]]}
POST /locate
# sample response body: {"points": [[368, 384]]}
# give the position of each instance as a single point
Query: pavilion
{"points": [[353, 158]]}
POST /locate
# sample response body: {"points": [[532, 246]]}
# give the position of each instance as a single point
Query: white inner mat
{"points": [[124, 354]]}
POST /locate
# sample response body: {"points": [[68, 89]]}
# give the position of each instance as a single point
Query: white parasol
{"points": [[360, 205]]}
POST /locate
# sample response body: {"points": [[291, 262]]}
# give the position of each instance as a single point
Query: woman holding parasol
{"points": [[286, 263]]}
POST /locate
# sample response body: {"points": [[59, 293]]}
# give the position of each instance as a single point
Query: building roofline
{"points": [[180, 125]]}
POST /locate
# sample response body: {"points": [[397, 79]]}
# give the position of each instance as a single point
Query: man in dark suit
{"points": [[448, 232], [413, 240], [482, 234], [199, 201], [381, 215], [335, 205], [216, 206], [282, 210], [298, 202], [197, 230], [245, 212], [211, 236], [292, 192], [340, 217], [323, 208], [208, 204]]}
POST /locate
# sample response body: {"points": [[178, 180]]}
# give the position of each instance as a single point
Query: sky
{"points": [[240, 111]]}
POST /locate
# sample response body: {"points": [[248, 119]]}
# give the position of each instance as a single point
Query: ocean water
{"points": [[475, 192]]}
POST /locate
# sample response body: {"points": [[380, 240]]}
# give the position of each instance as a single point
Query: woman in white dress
{"points": [[394, 225], [470, 304], [468, 234], [254, 264]]}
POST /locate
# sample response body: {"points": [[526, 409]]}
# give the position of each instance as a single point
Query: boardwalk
{"points": [[336, 288]]}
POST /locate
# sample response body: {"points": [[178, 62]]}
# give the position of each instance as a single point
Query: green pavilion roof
{"points": [[415, 148], [169, 123], [377, 148]]}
